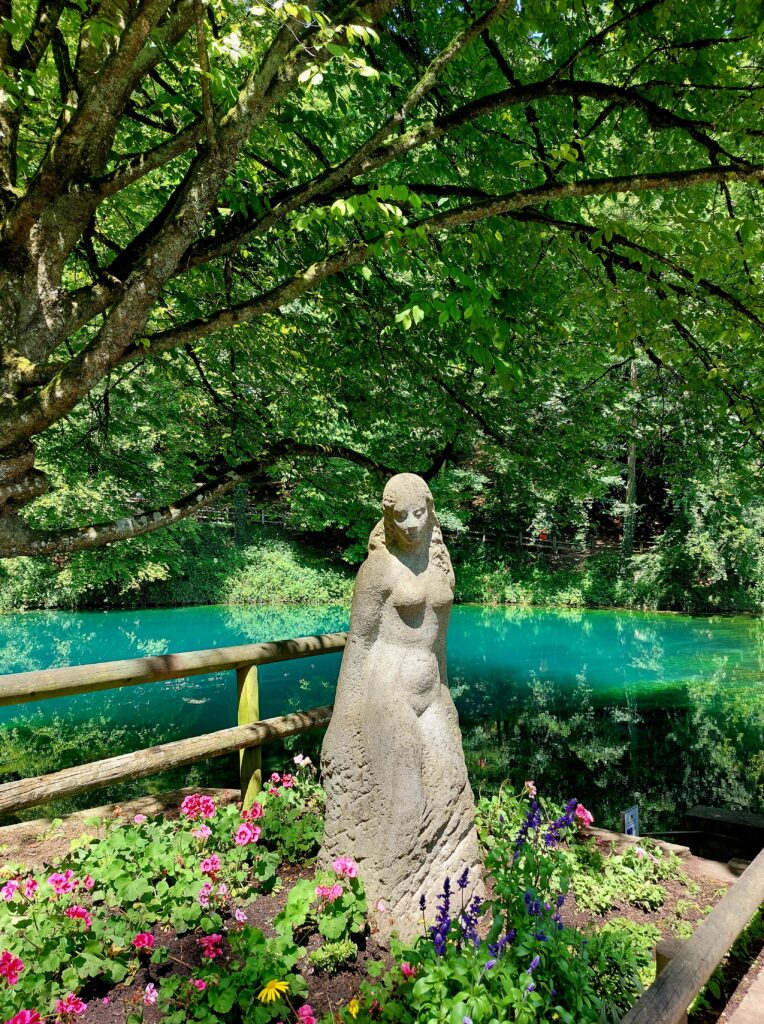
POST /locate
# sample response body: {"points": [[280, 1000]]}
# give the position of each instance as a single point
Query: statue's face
{"points": [[410, 518]]}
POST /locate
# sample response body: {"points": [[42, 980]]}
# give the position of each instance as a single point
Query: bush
{"points": [[279, 572], [186, 564]]}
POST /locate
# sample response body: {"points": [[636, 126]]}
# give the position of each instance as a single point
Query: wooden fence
{"points": [[691, 963], [247, 737], [665, 1002]]}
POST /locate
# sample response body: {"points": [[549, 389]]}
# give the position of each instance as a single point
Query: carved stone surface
{"points": [[398, 797]]}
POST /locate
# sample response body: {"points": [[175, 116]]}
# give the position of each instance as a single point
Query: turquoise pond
{"points": [[612, 706]]}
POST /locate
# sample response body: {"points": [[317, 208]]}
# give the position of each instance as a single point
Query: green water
{"points": [[612, 707]]}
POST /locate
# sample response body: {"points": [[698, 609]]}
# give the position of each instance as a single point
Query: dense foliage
{"points": [[518, 244], [708, 567]]}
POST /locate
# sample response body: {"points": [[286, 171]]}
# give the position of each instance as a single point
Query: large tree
{"points": [[185, 185]]}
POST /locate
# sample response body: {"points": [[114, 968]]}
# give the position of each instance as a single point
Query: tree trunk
{"points": [[630, 512]]}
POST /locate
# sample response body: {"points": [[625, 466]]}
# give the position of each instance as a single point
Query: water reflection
{"points": [[612, 707]]}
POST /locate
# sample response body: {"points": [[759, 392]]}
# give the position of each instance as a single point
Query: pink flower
{"points": [[301, 760], [273, 791], [211, 946], [207, 806], [88, 881], [105, 1001], [72, 1005], [246, 834], [139, 819], [199, 983], [287, 781], [9, 890], [330, 893], [204, 894], [198, 806], [530, 788], [275, 777], [150, 994], [10, 967], [210, 865], [345, 867], [203, 832], [379, 906], [407, 970], [223, 891], [144, 940], [255, 812], [26, 1017], [584, 818], [63, 883], [79, 914], [30, 888], [305, 1013], [240, 916]]}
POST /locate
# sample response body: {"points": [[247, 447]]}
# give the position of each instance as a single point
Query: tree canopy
{"points": [[245, 243]]}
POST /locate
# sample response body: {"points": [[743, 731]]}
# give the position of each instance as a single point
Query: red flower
{"points": [[10, 967]]}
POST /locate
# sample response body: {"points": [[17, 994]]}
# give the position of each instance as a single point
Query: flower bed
{"points": [[205, 918]]}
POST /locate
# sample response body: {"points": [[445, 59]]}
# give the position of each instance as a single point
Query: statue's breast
{"points": [[418, 592], [409, 596], [440, 594]]}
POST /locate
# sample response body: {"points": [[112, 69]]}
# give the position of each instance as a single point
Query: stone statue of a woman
{"points": [[397, 795]]}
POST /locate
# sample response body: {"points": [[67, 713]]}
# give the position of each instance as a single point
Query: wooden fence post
{"points": [[250, 759]]}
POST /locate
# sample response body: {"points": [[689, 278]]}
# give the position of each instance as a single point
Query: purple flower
{"points": [[496, 948], [468, 918], [463, 878], [530, 987], [534, 963], [532, 822], [442, 926], [552, 836], [422, 902], [490, 964]]}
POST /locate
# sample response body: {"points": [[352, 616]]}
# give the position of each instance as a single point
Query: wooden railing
{"points": [[247, 737], [692, 962]]}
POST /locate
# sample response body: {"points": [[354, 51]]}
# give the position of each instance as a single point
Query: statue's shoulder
{"points": [[375, 573]]}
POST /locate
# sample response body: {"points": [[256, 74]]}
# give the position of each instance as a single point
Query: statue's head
{"points": [[408, 510], [409, 520]]}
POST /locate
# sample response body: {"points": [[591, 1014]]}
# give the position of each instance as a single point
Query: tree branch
{"points": [[17, 538]]}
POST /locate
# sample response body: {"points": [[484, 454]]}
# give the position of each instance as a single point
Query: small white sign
{"points": [[630, 821]]}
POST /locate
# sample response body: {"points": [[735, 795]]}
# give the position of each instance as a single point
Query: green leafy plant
{"points": [[331, 956], [293, 813], [334, 903]]}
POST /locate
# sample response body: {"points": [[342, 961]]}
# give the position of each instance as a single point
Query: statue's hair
{"points": [[408, 486]]}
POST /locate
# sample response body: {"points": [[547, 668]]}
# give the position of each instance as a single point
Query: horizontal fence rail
{"points": [[247, 737], [16, 796], [22, 687], [667, 999]]}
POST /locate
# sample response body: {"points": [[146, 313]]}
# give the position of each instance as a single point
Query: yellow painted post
{"points": [[250, 759]]}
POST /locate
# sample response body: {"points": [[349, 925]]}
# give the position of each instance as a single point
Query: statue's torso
{"points": [[407, 658]]}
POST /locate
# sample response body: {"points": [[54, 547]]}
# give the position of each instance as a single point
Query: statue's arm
{"points": [[365, 614]]}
